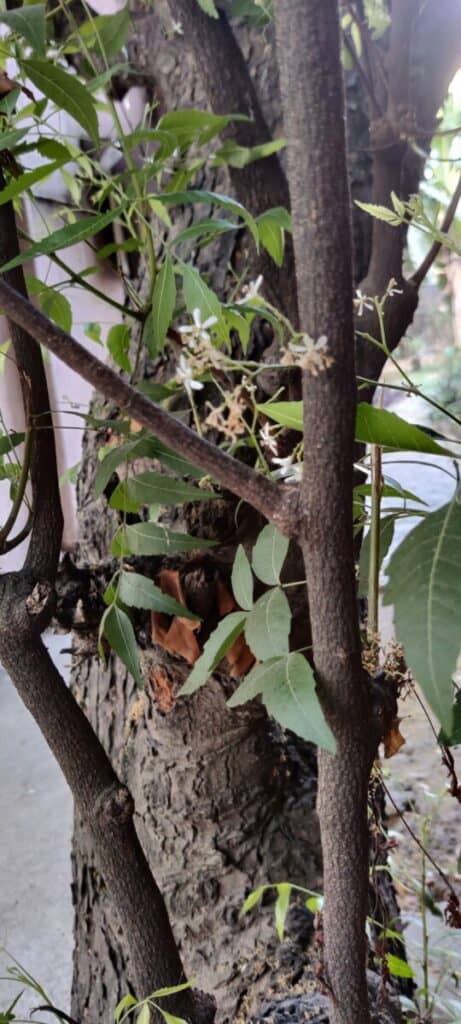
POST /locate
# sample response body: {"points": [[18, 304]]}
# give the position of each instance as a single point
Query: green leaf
{"points": [[9, 441], [425, 589], [215, 198], [271, 236], [137, 591], [170, 1017], [287, 687], [171, 990], [242, 579], [85, 228], [209, 7], [454, 739], [118, 630], [256, 680], [152, 539], [210, 227], [253, 899], [124, 1003], [281, 907], [197, 295], [197, 126], [288, 414], [386, 533], [268, 625], [25, 181], [29, 22], [107, 32], [57, 308], [8, 140], [292, 700], [380, 213], [153, 488], [118, 344], [163, 304], [232, 155], [398, 968], [144, 1014], [214, 651], [269, 554], [141, 448], [373, 426], [378, 426], [66, 91]]}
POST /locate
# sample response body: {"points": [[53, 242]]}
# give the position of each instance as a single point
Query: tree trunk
{"points": [[224, 802]]}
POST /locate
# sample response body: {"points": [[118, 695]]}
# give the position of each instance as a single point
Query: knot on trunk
{"points": [[26, 605], [114, 806]]}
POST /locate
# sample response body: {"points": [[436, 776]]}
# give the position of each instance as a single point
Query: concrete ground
{"points": [[35, 832]]}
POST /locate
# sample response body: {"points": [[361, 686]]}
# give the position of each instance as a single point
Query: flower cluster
{"points": [[308, 354]]}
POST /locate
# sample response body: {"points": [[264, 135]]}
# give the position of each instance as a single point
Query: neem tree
{"points": [[222, 362]]}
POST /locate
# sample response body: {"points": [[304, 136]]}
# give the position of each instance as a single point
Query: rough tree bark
{"points": [[224, 797]]}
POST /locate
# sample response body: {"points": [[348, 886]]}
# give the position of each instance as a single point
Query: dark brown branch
{"points": [[277, 503], [368, 86], [419, 274], [230, 89], [104, 804], [312, 92], [47, 521]]}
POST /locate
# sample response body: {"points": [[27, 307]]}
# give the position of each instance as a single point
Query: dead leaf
{"points": [[8, 84], [162, 689], [239, 658], [176, 635], [226, 603], [393, 739]]}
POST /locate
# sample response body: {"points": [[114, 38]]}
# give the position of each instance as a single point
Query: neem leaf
{"points": [[209, 7], [281, 907], [118, 630], [269, 554], [30, 23], [214, 650], [373, 426], [292, 700], [153, 488], [253, 899], [242, 579], [163, 304], [63, 237], [152, 539], [66, 91], [379, 426], [425, 589], [267, 628], [9, 441], [137, 591], [118, 344]]}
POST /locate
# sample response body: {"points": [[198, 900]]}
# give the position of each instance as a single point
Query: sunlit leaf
{"points": [[66, 91], [281, 908], [242, 579]]}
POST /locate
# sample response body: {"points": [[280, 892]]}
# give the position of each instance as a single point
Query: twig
{"points": [[373, 577], [278, 504], [20, 491], [423, 269], [362, 73], [418, 842]]}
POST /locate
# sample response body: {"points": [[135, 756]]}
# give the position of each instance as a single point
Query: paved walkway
{"points": [[35, 831]]}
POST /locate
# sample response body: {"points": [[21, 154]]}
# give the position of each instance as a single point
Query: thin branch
{"points": [[278, 503], [368, 86], [425, 266], [20, 491], [14, 542], [47, 520]]}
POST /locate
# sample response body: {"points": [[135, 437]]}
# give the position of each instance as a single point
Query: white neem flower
{"points": [[185, 375], [288, 471], [308, 354], [267, 440], [391, 289], [251, 291], [362, 302], [198, 330]]}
